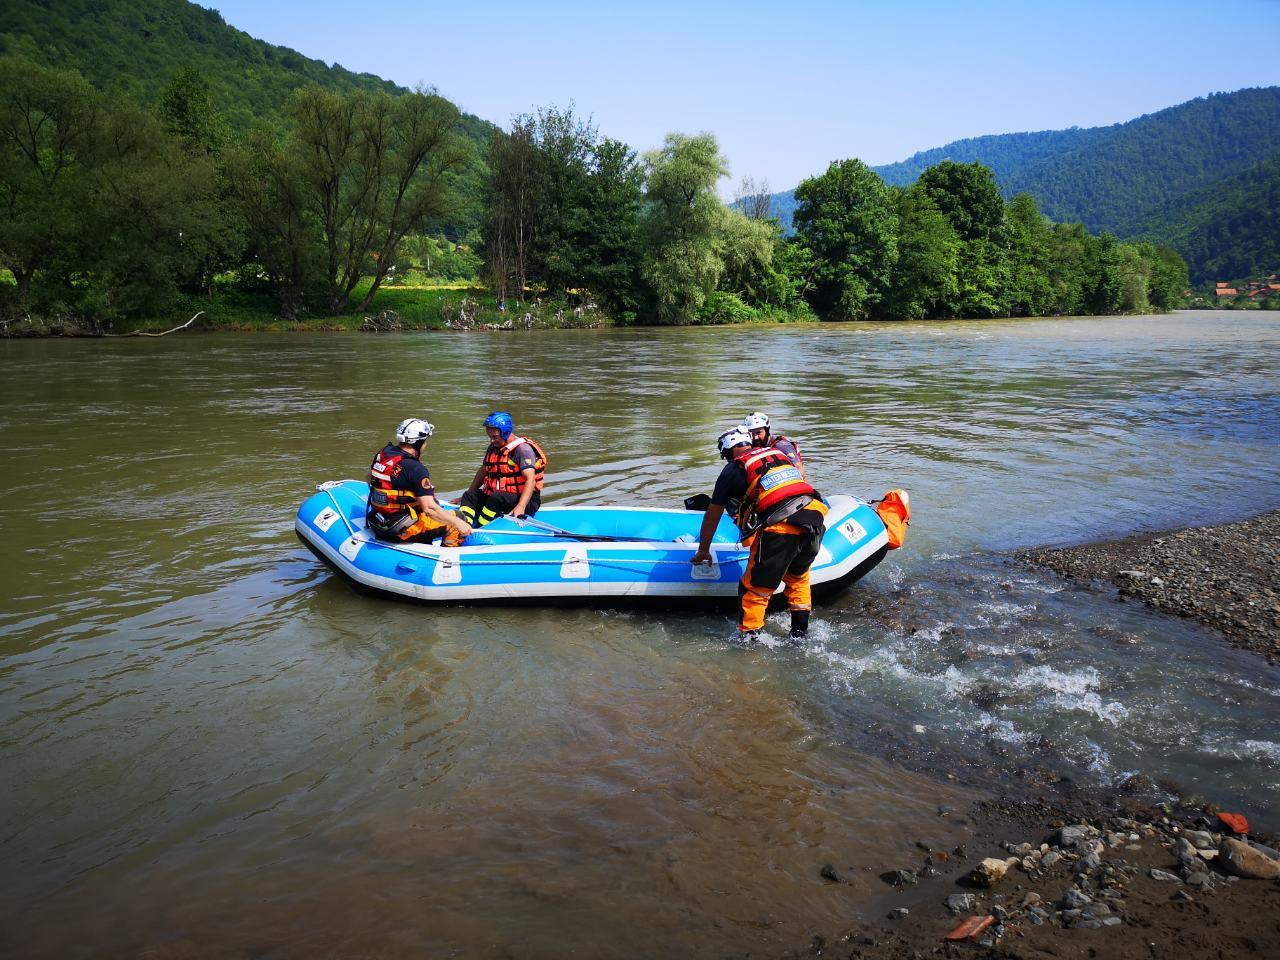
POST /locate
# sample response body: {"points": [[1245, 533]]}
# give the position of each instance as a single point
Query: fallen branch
{"points": [[141, 333]]}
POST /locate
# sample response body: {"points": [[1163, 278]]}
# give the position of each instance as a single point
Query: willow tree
{"points": [[372, 167], [683, 224]]}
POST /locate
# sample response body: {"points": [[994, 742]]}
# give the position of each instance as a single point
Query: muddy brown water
{"points": [[212, 746]]}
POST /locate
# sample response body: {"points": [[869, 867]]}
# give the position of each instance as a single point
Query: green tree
{"points": [[49, 123], [682, 223], [187, 111], [1027, 289], [282, 230], [925, 280], [846, 219], [372, 169], [967, 196], [610, 228]]}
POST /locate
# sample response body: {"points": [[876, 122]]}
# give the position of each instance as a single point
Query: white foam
{"points": [[1056, 681], [1110, 711], [1261, 749]]}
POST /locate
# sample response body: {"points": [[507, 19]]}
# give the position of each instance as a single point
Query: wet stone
{"points": [[829, 872], [1074, 899], [1164, 875], [899, 913], [1111, 921], [961, 902], [899, 878], [1201, 839]]}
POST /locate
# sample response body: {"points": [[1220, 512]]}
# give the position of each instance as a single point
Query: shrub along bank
{"points": [[118, 213]]}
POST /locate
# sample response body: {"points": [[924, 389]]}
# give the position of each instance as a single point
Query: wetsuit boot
{"points": [[799, 625]]}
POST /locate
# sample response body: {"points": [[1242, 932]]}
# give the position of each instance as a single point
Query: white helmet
{"points": [[413, 430], [733, 437], [755, 421]]}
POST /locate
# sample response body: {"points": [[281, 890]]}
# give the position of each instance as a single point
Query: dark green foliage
{"points": [[1115, 180], [102, 214], [925, 279], [563, 211], [145, 48], [1228, 230], [1191, 176], [847, 221]]}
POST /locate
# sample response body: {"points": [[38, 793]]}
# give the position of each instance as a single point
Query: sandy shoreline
{"points": [[1226, 577]]}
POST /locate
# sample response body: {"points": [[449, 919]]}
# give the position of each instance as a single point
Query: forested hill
{"points": [[1229, 230], [141, 45], [1005, 153], [1130, 178], [1113, 181]]}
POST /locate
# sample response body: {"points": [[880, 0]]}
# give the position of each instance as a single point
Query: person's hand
{"points": [[702, 556], [463, 527], [519, 518]]}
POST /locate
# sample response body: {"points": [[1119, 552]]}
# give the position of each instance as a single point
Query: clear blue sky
{"points": [[787, 88]]}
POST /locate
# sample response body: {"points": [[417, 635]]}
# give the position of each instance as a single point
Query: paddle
{"points": [[570, 535], [698, 502]]}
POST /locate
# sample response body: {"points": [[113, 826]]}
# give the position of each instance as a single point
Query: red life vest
{"points": [[393, 512], [771, 479], [384, 497], [501, 475]]}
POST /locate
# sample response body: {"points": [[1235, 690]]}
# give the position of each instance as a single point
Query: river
{"points": [[212, 747]]}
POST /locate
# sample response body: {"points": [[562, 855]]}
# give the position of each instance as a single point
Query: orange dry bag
{"points": [[895, 511]]}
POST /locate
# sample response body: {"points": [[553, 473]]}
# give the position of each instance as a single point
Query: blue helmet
{"points": [[502, 421]]}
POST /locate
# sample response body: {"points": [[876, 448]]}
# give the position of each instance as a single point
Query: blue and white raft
{"points": [[600, 554]]}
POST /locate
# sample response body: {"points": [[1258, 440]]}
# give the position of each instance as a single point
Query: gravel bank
{"points": [[1226, 577], [1059, 880]]}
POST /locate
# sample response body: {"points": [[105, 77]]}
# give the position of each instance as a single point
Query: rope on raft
{"points": [[595, 561]]}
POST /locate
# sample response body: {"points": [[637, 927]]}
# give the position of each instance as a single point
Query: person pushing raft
{"points": [[780, 517]]}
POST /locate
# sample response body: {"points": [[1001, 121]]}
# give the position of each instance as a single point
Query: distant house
{"points": [[1227, 292]]}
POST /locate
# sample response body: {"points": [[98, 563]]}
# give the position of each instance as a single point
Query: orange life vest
{"points": [[501, 475], [772, 479]]}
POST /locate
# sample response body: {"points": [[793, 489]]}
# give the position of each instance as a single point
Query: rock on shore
{"points": [[1226, 577]]}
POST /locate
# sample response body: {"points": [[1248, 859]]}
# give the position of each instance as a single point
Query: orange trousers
{"points": [[781, 553]]}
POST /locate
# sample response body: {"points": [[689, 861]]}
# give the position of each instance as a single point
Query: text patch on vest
{"points": [[777, 476]]}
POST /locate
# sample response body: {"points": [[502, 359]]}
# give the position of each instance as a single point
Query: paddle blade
{"points": [[698, 502]]}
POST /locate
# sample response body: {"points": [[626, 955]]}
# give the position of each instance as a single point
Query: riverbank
{"points": [[1097, 878], [398, 308], [1225, 577]]}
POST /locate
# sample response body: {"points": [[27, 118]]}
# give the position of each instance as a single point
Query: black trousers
{"points": [[479, 508]]}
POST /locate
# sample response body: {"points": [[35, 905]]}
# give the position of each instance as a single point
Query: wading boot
{"points": [[799, 626]]}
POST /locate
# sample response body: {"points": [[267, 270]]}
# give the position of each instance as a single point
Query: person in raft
{"points": [[757, 424], [509, 480], [781, 518], [402, 501]]}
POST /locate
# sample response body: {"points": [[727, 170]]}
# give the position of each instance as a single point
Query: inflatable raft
{"points": [[600, 554]]}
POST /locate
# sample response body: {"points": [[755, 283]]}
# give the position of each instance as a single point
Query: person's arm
{"points": [[526, 492], [710, 520], [431, 507]]}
